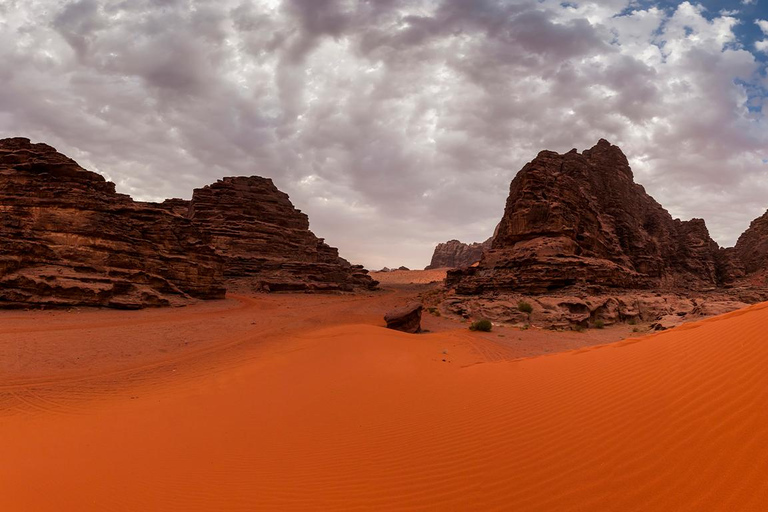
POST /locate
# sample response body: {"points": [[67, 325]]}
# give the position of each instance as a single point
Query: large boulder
{"points": [[406, 318]]}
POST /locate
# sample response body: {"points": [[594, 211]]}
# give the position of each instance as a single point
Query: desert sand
{"points": [[404, 277], [307, 403]]}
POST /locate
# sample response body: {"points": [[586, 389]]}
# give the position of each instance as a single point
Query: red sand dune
{"points": [[263, 415], [397, 277]]}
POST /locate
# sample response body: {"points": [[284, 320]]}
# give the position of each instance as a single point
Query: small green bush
{"points": [[599, 324], [524, 307], [579, 328], [481, 325], [632, 321]]}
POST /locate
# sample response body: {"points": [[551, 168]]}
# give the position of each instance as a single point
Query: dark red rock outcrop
{"points": [[580, 220], [455, 254], [265, 242], [752, 246], [67, 238], [406, 318]]}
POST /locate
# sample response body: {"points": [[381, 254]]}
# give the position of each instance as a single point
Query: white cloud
{"points": [[394, 124]]}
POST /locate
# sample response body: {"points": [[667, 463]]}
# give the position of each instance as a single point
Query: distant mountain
{"points": [[455, 254]]}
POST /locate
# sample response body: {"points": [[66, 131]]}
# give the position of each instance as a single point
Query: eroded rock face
{"points": [[455, 254], [579, 220], [265, 242], [406, 318], [752, 246], [67, 238]]}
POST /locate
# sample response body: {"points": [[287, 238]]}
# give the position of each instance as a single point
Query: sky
{"points": [[396, 124]]}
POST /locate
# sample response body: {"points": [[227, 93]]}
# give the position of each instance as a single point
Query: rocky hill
{"points": [[265, 242], [579, 220], [67, 238], [455, 254]]}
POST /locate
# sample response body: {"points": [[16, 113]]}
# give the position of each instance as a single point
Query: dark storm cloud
{"points": [[395, 124]]}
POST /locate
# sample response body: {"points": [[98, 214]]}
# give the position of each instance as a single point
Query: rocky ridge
{"points": [[68, 239], [265, 242]]}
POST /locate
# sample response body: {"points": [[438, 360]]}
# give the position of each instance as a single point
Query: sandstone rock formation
{"points": [[406, 318], [455, 254], [67, 238], [751, 249], [579, 220], [265, 242]]}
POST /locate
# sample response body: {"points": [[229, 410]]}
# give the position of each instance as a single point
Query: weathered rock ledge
{"points": [[563, 311]]}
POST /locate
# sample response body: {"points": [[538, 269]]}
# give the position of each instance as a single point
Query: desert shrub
{"points": [[579, 328], [434, 311], [481, 325], [632, 321], [525, 307], [525, 327], [599, 324]]}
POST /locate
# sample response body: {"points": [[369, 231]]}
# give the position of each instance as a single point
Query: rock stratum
{"points": [[579, 220], [69, 239], [456, 254]]}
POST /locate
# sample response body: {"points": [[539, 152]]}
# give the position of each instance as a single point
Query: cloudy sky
{"points": [[396, 124]]}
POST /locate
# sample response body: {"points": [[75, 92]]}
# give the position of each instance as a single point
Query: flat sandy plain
{"points": [[301, 402]]}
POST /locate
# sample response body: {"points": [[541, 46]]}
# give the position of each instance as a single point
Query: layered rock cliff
{"points": [[455, 254], [266, 243], [580, 220], [67, 238]]}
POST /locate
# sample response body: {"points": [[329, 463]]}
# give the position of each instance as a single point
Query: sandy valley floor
{"points": [[301, 402]]}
